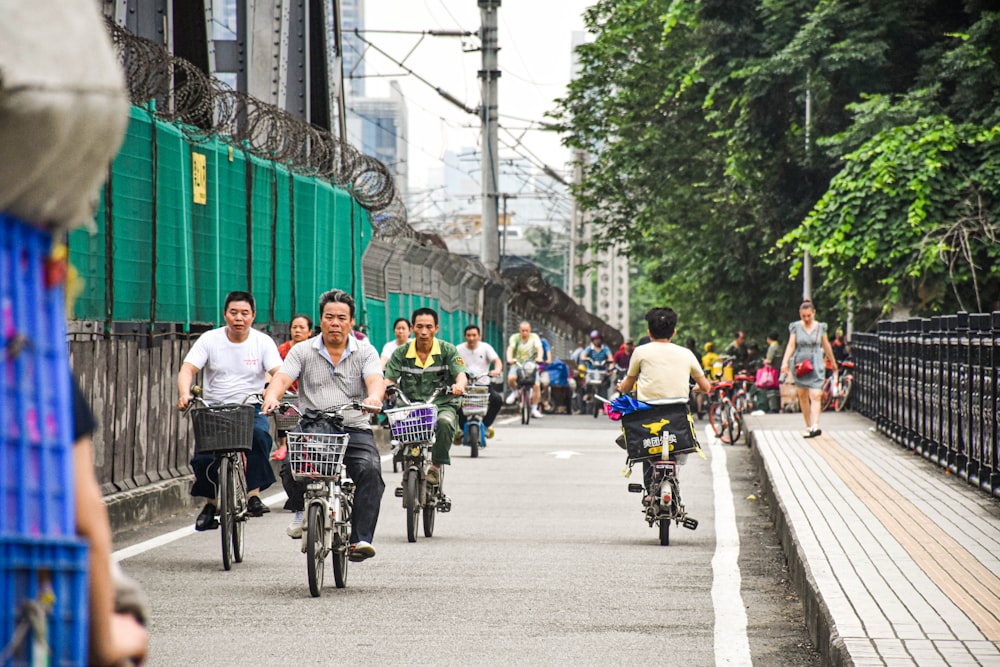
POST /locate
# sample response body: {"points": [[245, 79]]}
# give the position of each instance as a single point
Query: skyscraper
{"points": [[352, 16], [377, 126]]}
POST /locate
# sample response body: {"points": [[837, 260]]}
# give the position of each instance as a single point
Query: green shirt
{"points": [[419, 381]]}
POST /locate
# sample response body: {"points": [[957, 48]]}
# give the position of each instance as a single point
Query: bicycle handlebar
{"points": [[394, 389]]}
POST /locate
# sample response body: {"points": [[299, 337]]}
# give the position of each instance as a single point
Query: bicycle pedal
{"points": [[444, 504], [399, 492], [689, 523]]}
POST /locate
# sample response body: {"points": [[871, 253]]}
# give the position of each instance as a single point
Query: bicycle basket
{"points": [[316, 455], [223, 428], [475, 400], [413, 423], [526, 373], [289, 419], [596, 377]]}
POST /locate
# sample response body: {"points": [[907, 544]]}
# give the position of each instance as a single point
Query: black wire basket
{"points": [[223, 428]]}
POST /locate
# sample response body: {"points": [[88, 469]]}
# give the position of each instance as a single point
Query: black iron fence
{"points": [[930, 384]]}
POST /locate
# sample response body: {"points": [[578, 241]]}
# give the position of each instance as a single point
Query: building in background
{"points": [[375, 125], [378, 127], [599, 283], [352, 15]]}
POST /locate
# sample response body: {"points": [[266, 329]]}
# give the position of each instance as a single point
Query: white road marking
{"points": [[173, 536], [565, 454], [508, 420], [732, 647]]}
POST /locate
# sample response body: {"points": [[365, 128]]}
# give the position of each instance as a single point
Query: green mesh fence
{"points": [[285, 237]]}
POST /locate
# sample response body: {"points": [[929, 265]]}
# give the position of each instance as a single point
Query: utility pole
{"points": [[338, 73], [488, 110]]}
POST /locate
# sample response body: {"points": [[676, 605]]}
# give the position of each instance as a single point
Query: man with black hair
{"points": [[660, 371], [334, 368], [420, 368], [236, 359], [738, 351]]}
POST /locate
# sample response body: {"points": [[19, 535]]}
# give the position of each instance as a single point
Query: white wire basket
{"points": [[596, 377], [316, 455], [413, 423], [475, 400]]}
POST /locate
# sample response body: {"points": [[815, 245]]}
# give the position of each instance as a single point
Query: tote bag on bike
{"points": [[766, 378]]}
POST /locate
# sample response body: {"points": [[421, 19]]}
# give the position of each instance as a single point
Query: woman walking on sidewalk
{"points": [[807, 345]]}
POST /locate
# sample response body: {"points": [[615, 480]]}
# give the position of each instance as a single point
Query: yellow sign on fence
{"points": [[199, 178]]}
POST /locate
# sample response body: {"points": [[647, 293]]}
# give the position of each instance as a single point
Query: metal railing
{"points": [[930, 384]]}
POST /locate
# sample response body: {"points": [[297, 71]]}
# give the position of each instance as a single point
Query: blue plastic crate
{"points": [[51, 573], [36, 467]]}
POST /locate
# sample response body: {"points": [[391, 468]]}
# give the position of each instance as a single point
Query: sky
{"points": [[535, 40]]}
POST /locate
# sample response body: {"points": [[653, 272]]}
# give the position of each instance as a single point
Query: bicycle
{"points": [[475, 402], [413, 427], [838, 393], [727, 424], [527, 374], [226, 431], [317, 458]]}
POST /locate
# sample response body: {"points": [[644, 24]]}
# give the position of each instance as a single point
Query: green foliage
{"points": [[700, 162]]}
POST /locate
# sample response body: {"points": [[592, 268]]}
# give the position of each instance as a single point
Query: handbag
{"points": [[804, 368], [766, 378]]}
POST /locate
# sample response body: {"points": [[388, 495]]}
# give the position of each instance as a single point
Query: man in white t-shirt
{"points": [[481, 359], [236, 359]]}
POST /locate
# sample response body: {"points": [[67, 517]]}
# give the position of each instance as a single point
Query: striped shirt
{"points": [[323, 384]]}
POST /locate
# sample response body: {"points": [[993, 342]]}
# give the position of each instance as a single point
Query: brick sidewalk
{"points": [[896, 562]]}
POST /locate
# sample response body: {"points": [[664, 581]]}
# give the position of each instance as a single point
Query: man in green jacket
{"points": [[420, 368]]}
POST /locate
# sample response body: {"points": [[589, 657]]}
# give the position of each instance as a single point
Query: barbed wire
{"points": [[204, 107]]}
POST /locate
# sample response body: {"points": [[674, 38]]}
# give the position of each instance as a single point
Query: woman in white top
{"points": [[401, 330]]}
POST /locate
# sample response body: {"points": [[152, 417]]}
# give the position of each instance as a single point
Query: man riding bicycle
{"points": [[422, 367], [332, 369], [236, 359], [525, 346], [481, 359], [660, 370]]}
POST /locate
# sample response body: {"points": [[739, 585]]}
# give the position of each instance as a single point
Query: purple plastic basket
{"points": [[36, 466], [53, 574], [413, 423]]}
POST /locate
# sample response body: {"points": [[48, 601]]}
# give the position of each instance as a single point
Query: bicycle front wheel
{"points": [[227, 509], [315, 558], [411, 501], [727, 421], [845, 393], [239, 508], [716, 418], [525, 406]]}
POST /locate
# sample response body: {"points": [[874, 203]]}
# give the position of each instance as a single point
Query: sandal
{"points": [[280, 454]]}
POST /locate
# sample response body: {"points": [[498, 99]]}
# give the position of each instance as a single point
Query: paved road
{"points": [[544, 560]]}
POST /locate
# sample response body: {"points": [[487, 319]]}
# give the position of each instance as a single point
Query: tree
{"points": [[703, 166]]}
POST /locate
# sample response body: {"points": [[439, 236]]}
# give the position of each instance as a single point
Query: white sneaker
{"points": [[511, 397], [360, 551], [536, 413], [294, 529]]}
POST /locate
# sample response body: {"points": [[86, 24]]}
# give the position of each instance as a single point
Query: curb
{"points": [[132, 509], [819, 621]]}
